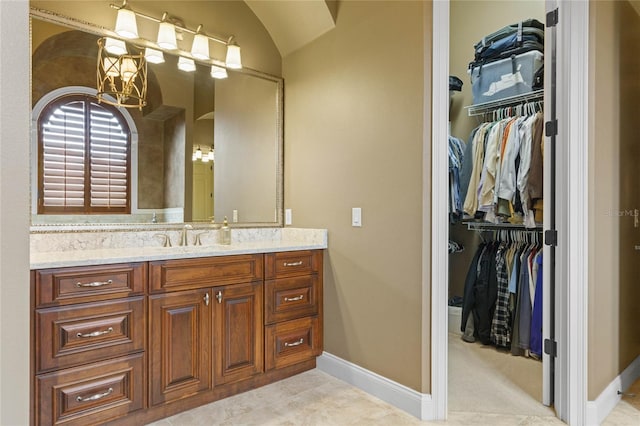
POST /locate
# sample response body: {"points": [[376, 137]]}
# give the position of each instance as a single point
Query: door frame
{"points": [[571, 208]]}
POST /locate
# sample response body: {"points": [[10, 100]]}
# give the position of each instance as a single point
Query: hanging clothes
{"points": [[505, 179], [503, 293], [456, 158]]}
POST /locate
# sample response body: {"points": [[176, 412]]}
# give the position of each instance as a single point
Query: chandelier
{"points": [[122, 77]]}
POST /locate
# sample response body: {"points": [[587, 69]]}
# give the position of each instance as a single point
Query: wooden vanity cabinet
{"points": [[133, 343], [293, 307], [89, 328], [202, 334]]}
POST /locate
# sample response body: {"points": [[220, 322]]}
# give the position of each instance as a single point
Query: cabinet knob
{"points": [[206, 299], [219, 296]]}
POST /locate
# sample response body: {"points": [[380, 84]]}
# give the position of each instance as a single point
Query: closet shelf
{"points": [[488, 226], [483, 108]]}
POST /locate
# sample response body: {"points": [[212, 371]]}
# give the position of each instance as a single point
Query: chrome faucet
{"points": [[183, 236]]}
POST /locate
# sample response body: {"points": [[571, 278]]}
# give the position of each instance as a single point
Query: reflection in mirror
{"points": [[240, 118]]}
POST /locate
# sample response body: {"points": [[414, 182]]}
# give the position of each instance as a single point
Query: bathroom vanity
{"points": [[132, 341]]}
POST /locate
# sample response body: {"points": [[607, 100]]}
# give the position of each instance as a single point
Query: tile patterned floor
{"points": [[315, 398]]}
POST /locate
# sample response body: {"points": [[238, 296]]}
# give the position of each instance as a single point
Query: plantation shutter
{"points": [[84, 158], [109, 153]]}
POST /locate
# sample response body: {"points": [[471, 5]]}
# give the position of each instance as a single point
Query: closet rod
{"points": [[488, 226], [483, 108]]}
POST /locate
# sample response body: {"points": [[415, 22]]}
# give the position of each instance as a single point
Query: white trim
{"points": [[439, 200], [599, 409], [413, 402], [573, 137]]}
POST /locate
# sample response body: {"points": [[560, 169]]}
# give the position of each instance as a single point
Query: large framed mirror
{"points": [[239, 119]]}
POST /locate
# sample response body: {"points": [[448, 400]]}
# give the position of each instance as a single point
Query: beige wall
{"points": [[353, 138], [614, 335]]}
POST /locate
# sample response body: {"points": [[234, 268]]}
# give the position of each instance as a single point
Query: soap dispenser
{"points": [[225, 232]]}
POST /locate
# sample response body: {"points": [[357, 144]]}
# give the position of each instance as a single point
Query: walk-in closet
{"points": [[496, 200]]}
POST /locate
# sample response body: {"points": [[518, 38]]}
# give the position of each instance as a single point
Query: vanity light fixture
{"points": [[186, 64], [218, 72], [154, 56], [126, 27], [115, 46], [198, 153], [210, 155], [167, 34], [122, 78], [233, 60], [200, 46]]}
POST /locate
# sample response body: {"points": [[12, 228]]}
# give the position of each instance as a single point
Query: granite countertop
{"points": [[102, 256]]}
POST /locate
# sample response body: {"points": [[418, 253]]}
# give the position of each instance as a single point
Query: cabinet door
{"points": [[238, 331], [180, 344]]}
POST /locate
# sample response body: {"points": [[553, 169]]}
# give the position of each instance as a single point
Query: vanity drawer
{"points": [[290, 298], [183, 274], [291, 342], [80, 334], [292, 263], [91, 395], [64, 286]]}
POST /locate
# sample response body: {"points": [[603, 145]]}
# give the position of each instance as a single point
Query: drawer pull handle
{"points": [[95, 333], [294, 299], [96, 396], [297, 343], [298, 263], [94, 284]]}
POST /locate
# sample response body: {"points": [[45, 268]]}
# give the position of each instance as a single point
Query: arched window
{"points": [[84, 157]]}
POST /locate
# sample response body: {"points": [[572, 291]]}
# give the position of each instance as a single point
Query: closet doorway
{"points": [[491, 366]]}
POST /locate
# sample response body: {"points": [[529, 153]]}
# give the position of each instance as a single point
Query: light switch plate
{"points": [[287, 216], [356, 217]]}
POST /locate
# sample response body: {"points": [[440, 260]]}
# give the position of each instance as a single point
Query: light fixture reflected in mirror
{"points": [[186, 64], [218, 72], [153, 56], [211, 154], [115, 46], [122, 79], [198, 153]]}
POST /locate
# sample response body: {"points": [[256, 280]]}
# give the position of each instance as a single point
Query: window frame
{"points": [[87, 99]]}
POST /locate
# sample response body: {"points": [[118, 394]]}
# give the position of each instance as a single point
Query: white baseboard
{"points": [[599, 409], [413, 402]]}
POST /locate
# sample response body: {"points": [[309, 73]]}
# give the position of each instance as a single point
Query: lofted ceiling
{"points": [[293, 24]]}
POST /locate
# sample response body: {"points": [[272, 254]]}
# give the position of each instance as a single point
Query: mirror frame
{"points": [[76, 24]]}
